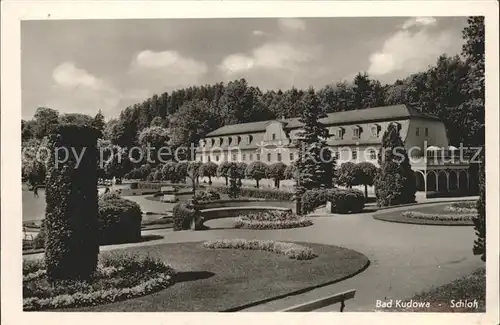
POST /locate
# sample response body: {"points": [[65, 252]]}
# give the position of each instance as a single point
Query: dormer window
{"points": [[274, 136], [339, 133], [375, 130], [356, 132], [249, 139]]}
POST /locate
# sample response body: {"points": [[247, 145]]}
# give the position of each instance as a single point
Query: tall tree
{"points": [[316, 163], [395, 182], [71, 247], [192, 121], [76, 118], [98, 121], [46, 121]]}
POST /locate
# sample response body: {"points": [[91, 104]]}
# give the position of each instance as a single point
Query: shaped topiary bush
{"points": [[342, 200], [71, 246], [182, 214], [119, 220]]}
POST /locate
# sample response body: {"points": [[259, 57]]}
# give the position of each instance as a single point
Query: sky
{"points": [[81, 66]]}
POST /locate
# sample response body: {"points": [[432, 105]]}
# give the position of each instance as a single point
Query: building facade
{"points": [[355, 136]]}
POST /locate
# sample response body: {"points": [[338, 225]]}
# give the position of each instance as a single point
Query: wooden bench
{"points": [[323, 302]]}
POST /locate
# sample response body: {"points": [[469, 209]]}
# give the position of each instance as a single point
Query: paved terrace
{"points": [[405, 259]]}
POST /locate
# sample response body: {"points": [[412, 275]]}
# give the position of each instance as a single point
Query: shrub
{"points": [[117, 277], [119, 219], [256, 170], [207, 195], [208, 169], [268, 194], [71, 246], [290, 250], [349, 174], [272, 220], [367, 174], [290, 171], [223, 170], [276, 172], [182, 213], [342, 201]]}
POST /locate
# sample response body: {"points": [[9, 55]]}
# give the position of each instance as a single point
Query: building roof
{"points": [[382, 113]]}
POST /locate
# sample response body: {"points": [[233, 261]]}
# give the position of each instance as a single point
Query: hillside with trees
{"points": [[452, 89]]}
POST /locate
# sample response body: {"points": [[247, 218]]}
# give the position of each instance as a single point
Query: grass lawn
{"points": [[227, 279], [396, 216], [470, 288]]}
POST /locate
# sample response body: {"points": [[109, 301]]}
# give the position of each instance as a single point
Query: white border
{"points": [[14, 11]]}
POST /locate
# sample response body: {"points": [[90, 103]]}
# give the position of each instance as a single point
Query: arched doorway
{"points": [[442, 181], [462, 180], [453, 179], [419, 181], [431, 181]]}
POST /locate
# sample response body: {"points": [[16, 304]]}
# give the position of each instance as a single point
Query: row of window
{"points": [[229, 140], [279, 157], [372, 154], [339, 134]]}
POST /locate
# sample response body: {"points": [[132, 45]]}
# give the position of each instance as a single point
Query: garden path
{"points": [[405, 259]]}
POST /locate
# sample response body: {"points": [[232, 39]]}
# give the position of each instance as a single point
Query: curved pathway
{"points": [[405, 259]]}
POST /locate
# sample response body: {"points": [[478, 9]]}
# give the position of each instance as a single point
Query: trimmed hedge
{"points": [[257, 193], [290, 250], [159, 185], [71, 246], [182, 215], [342, 200], [119, 220]]}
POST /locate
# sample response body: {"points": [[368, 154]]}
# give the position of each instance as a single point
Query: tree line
{"points": [[452, 89]]}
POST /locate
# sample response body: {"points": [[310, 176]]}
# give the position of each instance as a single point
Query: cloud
{"points": [[68, 75], [409, 50], [166, 69], [291, 24], [258, 33], [419, 21], [168, 60], [76, 90], [280, 55]]}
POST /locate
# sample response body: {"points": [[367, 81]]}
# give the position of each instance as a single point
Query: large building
{"points": [[355, 136]]}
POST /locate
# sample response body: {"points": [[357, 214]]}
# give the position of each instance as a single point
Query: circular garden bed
{"points": [[225, 279], [118, 277], [454, 214]]}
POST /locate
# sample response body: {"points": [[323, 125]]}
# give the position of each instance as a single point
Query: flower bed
{"points": [[289, 250], [462, 207], [272, 220], [118, 277], [437, 216]]}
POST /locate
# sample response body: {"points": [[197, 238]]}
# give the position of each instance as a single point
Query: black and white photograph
{"points": [[253, 163]]}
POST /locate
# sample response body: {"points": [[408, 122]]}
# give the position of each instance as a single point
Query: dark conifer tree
{"points": [[395, 182]]}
